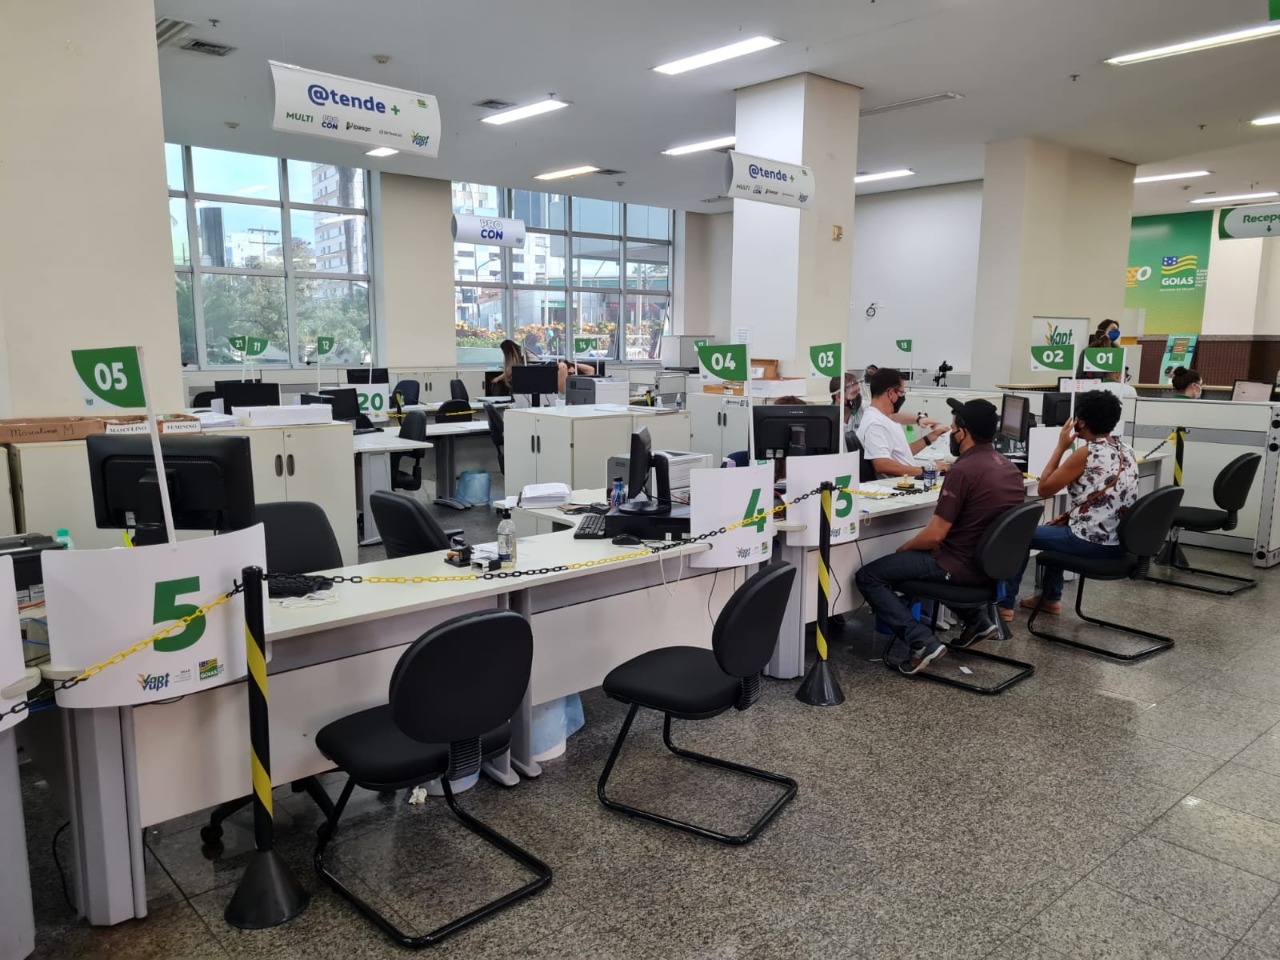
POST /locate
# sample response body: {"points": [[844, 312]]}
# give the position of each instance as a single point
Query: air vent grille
{"points": [[169, 31], [610, 173], [207, 47], [494, 104]]}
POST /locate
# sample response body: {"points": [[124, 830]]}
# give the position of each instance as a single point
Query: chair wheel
{"points": [[211, 833]]}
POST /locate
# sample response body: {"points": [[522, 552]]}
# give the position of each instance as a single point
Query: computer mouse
{"points": [[626, 540]]}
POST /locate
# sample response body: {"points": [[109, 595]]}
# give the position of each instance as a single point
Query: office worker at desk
{"points": [[1187, 384], [513, 356], [883, 440], [981, 485]]}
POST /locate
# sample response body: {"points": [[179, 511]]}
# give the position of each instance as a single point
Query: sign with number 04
{"points": [[721, 498], [808, 473], [826, 359], [110, 377], [1059, 359], [724, 361], [1104, 359]]}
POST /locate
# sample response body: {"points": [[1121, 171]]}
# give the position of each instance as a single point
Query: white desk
{"points": [[445, 436], [17, 922], [373, 451]]}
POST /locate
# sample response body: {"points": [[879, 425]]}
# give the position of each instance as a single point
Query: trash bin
{"points": [[475, 487]]}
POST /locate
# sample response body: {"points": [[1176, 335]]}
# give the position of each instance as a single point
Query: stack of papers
{"points": [[537, 495]]}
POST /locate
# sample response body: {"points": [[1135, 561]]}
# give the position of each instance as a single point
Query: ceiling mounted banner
{"points": [[339, 108], [488, 230], [768, 181], [1259, 220]]}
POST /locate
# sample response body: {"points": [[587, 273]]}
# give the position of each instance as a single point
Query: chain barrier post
{"points": [[268, 893], [1179, 448], [1171, 554], [820, 688]]}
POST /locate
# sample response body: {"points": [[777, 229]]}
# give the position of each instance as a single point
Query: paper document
{"points": [[544, 495]]}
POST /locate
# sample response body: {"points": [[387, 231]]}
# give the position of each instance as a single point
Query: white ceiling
{"points": [[1012, 59]]}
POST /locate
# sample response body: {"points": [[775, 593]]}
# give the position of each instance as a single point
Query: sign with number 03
{"points": [[720, 498], [12, 666], [1060, 359], [374, 400], [110, 377], [826, 359], [1104, 359], [807, 473], [724, 361], [102, 602]]}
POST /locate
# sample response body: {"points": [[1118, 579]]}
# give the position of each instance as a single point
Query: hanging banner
{"points": [[825, 360], [1259, 220], [726, 361], [12, 664], [768, 181], [1103, 360], [110, 377], [340, 108], [808, 473], [1178, 352], [721, 498], [1168, 270], [324, 346], [488, 230], [1054, 359], [101, 602]]}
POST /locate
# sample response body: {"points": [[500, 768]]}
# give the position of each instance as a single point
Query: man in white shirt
{"points": [[884, 442]]}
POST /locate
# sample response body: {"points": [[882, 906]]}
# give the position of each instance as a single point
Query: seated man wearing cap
{"points": [[981, 485]]}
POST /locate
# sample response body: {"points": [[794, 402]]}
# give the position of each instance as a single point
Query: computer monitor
{"points": [[535, 379], [210, 483], [796, 431], [1015, 418], [246, 393], [368, 375], [642, 460], [346, 404], [489, 389], [1252, 391], [1056, 409]]}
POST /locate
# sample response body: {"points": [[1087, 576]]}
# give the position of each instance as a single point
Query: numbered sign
{"points": [[700, 342], [583, 345], [324, 346], [722, 498], [808, 473], [1058, 359], [374, 400], [102, 602], [724, 361], [12, 665], [1104, 359], [110, 377], [905, 345], [249, 346], [826, 359]]}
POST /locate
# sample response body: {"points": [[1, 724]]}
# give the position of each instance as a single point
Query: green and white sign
{"points": [[1168, 270], [1259, 220], [324, 346], [249, 346], [806, 473], [905, 345], [583, 345], [724, 362], [374, 399], [826, 359], [725, 498], [110, 377], [700, 342], [1054, 359], [1104, 360]]}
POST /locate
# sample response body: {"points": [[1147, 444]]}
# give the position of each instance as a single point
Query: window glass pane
{"points": [[477, 200], [651, 222], [173, 166], [324, 183], [539, 321], [545, 210], [596, 263], [235, 174], [333, 308], [647, 318], [178, 231], [329, 242], [186, 316], [540, 261], [243, 306], [648, 266], [238, 235], [478, 324], [474, 262], [596, 216], [597, 316]]}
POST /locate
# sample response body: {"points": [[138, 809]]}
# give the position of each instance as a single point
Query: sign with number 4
{"points": [[723, 498], [724, 361], [808, 473]]}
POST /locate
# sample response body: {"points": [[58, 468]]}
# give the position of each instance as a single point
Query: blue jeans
{"points": [[1062, 540]]}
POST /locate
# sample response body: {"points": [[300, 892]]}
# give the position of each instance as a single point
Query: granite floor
{"points": [[1099, 811]]}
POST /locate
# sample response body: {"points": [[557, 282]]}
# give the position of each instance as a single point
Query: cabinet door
{"points": [[52, 491], [320, 468], [519, 441], [736, 415], [705, 427], [435, 385], [474, 381], [595, 440], [266, 453], [669, 431]]}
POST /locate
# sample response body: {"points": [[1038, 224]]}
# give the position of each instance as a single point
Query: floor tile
{"points": [[172, 931], [1019, 947], [1243, 841], [1243, 788], [1263, 754], [1265, 934], [1243, 951]]}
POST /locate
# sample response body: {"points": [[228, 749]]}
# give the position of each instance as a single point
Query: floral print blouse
{"points": [[1099, 520]]}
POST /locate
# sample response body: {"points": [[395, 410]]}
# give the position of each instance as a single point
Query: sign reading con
{"points": [[768, 181]]}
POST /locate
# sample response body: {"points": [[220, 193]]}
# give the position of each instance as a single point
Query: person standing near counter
{"points": [[883, 440]]}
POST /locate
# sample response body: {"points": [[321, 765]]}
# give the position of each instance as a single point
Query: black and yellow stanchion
{"points": [[1171, 554], [820, 688], [268, 893], [1179, 448]]}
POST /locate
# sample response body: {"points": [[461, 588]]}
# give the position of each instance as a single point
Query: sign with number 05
{"points": [[1104, 359], [807, 473], [724, 361], [825, 360], [110, 377], [102, 602], [1060, 359], [722, 498]]}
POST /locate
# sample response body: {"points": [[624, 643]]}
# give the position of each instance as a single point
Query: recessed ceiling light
{"points": [[1238, 196], [717, 144], [1266, 121], [1173, 176], [718, 55], [528, 110], [1192, 46], [381, 152], [886, 175], [567, 172]]}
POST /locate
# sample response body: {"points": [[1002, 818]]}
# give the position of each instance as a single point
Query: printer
{"points": [[680, 462], [26, 549], [583, 390]]}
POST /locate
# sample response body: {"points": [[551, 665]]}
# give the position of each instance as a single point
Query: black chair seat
{"points": [[379, 756], [1097, 568], [952, 594], [1205, 519], [686, 682]]}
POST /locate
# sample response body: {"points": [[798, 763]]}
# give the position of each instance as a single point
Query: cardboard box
{"points": [[726, 388], [791, 386], [170, 423], [49, 429], [764, 369]]}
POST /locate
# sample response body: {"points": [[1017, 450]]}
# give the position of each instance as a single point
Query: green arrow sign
{"points": [[904, 346], [249, 346], [1060, 359], [324, 346], [583, 344], [110, 377], [724, 362], [825, 359], [1103, 360]]}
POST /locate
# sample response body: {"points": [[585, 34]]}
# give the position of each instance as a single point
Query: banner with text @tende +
{"points": [[768, 181], [340, 108], [721, 498], [102, 602], [809, 473]]}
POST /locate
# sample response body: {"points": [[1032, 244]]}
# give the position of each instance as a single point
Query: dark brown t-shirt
{"points": [[980, 486]]}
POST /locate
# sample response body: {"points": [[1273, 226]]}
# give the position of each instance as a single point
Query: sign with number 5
{"points": [[110, 377]]}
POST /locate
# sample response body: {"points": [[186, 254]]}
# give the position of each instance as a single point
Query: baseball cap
{"points": [[979, 417]]}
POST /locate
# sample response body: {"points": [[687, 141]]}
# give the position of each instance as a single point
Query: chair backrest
{"points": [[746, 631], [406, 525], [454, 411], [409, 390], [460, 680], [740, 458], [1144, 528], [866, 466], [458, 390], [494, 416], [1231, 488], [299, 537], [414, 425], [203, 399], [1005, 545]]}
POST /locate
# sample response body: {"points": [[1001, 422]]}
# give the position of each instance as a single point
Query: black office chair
{"points": [[1141, 532], [1230, 491], [693, 683], [458, 391], [409, 391], [740, 458], [1000, 553], [204, 399], [495, 431], [451, 699], [412, 427], [407, 526], [455, 411], [866, 466]]}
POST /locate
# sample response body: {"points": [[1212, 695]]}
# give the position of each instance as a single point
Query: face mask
{"points": [[897, 404], [955, 444], [853, 405], [1113, 334]]}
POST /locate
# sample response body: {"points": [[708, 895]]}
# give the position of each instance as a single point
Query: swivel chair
{"points": [[458, 391], [409, 390], [454, 411], [495, 431], [412, 427], [407, 526]]}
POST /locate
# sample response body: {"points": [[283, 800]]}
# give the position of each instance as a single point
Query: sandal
{"points": [[1045, 606], [1006, 614]]}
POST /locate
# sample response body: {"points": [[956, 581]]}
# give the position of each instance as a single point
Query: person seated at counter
{"points": [[1186, 383], [1106, 335], [981, 485], [851, 400], [883, 440], [514, 356], [1101, 480], [1115, 383]]}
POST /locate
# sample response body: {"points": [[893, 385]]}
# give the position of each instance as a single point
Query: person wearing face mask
{"points": [[883, 440], [981, 485], [1186, 383], [1106, 335]]}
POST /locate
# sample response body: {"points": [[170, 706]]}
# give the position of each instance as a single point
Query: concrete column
{"points": [[1054, 243]]}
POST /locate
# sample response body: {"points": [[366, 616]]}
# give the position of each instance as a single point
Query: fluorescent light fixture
{"points": [[381, 152], [1192, 46], [567, 172], [1173, 176], [913, 102], [1266, 121], [717, 144], [886, 175], [248, 191], [718, 55], [528, 110], [1238, 196]]}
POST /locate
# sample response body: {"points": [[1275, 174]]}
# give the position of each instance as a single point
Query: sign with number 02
{"points": [[1060, 359]]}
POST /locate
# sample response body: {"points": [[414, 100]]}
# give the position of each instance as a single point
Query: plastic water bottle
{"points": [[506, 543], [930, 475], [64, 537], [619, 496]]}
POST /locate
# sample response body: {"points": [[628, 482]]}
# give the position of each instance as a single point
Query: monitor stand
{"points": [[662, 505]]}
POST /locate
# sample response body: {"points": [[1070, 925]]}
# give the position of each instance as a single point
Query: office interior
{"points": [[987, 181]]}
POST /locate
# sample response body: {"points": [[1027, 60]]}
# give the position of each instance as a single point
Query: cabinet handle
{"points": [[539, 444], [532, 449], [289, 461], [279, 465]]}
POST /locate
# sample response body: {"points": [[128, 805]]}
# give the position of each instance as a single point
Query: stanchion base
{"points": [[268, 894], [820, 688]]}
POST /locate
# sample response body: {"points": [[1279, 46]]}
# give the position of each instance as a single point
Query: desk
{"points": [[476, 405], [374, 450], [17, 923], [444, 436]]}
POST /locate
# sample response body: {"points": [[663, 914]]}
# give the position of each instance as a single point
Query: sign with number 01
{"points": [[110, 377], [1104, 359], [1059, 359], [826, 359], [374, 400], [722, 498], [724, 361], [808, 473], [102, 602]]}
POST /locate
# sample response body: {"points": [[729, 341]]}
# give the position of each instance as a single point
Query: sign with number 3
{"points": [[808, 473]]}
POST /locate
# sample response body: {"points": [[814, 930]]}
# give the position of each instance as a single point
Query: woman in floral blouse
{"points": [[1101, 480]]}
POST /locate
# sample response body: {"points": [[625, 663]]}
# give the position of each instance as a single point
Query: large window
{"points": [[267, 248], [588, 268]]}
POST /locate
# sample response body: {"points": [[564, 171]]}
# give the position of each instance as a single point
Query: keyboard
{"points": [[590, 527], [361, 431]]}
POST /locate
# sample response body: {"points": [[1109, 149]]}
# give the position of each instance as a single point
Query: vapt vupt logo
{"points": [[153, 681], [419, 139]]}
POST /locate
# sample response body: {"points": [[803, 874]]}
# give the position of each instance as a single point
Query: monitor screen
{"points": [[535, 379], [1014, 419], [1056, 409], [1252, 391], [247, 393], [363, 374], [346, 405], [795, 430]]}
